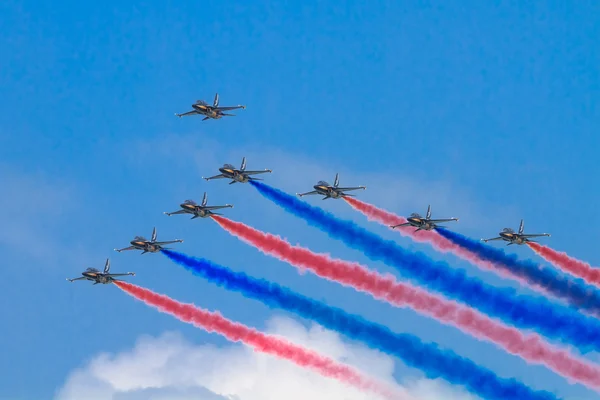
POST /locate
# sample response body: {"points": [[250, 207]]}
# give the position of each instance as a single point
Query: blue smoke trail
{"points": [[549, 319], [574, 290], [435, 362]]}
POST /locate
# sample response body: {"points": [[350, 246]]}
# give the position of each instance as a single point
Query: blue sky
{"points": [[488, 112]]}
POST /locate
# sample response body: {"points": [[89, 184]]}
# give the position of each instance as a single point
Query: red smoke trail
{"points": [[215, 322], [568, 264], [438, 242], [385, 287]]}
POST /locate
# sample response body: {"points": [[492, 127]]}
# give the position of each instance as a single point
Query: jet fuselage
{"points": [[97, 277], [149, 247], [207, 111], [328, 191], [234, 175], [195, 209], [512, 237], [418, 222]]}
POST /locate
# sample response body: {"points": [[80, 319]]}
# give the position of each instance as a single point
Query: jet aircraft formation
{"points": [[242, 175]]}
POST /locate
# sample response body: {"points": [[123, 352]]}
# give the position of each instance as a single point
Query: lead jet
{"points": [[198, 210], [335, 192], [509, 235], [148, 246], [92, 274], [200, 107], [423, 224], [228, 171]]}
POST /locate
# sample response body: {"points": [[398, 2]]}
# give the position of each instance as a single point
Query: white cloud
{"points": [[169, 367]]}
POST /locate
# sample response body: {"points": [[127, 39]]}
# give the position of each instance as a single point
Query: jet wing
{"points": [[257, 172], [124, 274], [350, 188], [175, 212], [435, 221], [77, 279], [489, 240], [534, 235], [229, 108], [307, 193], [126, 248], [217, 207], [185, 114], [400, 225], [220, 176], [168, 242]]}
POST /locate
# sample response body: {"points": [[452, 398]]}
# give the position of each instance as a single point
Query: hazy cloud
{"points": [[169, 367]]}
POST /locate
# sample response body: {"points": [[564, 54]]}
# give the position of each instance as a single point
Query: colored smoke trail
{"points": [[435, 362], [569, 264], [549, 319], [437, 241], [573, 290], [486, 257], [529, 347], [236, 332]]}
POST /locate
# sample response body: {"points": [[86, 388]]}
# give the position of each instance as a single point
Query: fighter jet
{"points": [[335, 192], [423, 224], [92, 274], [198, 210], [228, 171], [201, 107], [148, 246], [509, 235]]}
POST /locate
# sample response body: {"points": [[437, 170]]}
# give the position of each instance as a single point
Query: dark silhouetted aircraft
{"points": [[512, 237], [92, 274], [335, 192], [148, 246], [198, 210], [228, 171], [423, 224], [201, 107]]}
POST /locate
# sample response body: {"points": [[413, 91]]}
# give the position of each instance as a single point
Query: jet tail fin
{"points": [[216, 101], [154, 234], [243, 167], [204, 199], [522, 226], [336, 181], [107, 266], [428, 212]]}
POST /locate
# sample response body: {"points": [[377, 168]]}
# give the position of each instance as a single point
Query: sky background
{"points": [[488, 112]]}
